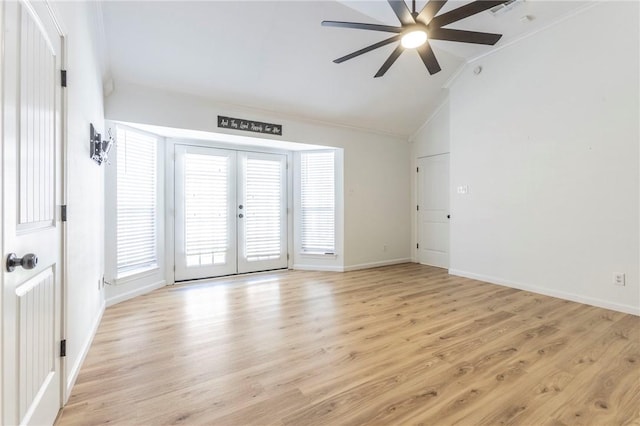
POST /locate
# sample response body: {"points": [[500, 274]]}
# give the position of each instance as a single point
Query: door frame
{"points": [[418, 195], [169, 169]]}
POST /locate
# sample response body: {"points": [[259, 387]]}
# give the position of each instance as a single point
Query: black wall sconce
{"points": [[98, 148]]}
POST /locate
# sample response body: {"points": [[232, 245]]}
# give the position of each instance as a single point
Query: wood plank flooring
{"points": [[405, 344]]}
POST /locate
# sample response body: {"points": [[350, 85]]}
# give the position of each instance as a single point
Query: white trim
{"points": [[627, 309], [36, 18], [84, 350], [226, 278], [553, 23], [55, 15], [103, 57], [431, 117], [311, 255], [517, 40], [321, 268], [376, 264], [454, 76], [135, 292], [136, 274], [300, 118]]}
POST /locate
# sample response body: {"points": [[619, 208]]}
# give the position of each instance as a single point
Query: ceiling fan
{"points": [[417, 29]]}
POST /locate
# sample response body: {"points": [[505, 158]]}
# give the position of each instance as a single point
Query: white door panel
{"points": [[31, 324], [433, 202], [262, 229], [205, 227]]}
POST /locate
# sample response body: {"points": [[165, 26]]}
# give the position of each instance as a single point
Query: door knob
{"points": [[240, 215], [28, 261], [240, 206]]}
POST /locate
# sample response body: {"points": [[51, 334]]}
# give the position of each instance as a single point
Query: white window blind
{"points": [[263, 206], [206, 209], [318, 202], [136, 202]]}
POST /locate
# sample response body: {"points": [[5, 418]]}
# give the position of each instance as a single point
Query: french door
{"points": [[230, 212]]}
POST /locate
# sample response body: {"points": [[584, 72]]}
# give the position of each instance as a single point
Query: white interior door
{"points": [[231, 214], [433, 210], [31, 293], [262, 212], [205, 221]]}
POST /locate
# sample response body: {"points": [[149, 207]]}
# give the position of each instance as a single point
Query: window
{"points": [[206, 209], [318, 201], [136, 222]]}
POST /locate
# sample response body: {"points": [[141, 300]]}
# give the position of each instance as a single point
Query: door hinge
{"points": [[417, 208], [63, 212], [63, 78], [63, 348], [417, 169], [417, 245]]}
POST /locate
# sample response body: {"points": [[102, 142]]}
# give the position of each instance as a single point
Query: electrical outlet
{"points": [[463, 189], [618, 278]]}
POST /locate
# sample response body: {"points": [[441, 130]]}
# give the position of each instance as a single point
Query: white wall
{"points": [[85, 226], [547, 137], [376, 173], [432, 138]]}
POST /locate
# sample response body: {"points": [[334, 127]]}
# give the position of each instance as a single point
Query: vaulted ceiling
{"points": [[275, 55]]}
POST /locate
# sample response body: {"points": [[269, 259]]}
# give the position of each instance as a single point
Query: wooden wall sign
{"points": [[249, 125]]}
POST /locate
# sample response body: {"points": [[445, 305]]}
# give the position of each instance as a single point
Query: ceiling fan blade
{"points": [[390, 60], [360, 26], [402, 11], [430, 10], [368, 49], [429, 58], [464, 36], [464, 12]]}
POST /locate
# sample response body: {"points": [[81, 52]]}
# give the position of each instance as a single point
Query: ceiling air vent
{"points": [[505, 7]]}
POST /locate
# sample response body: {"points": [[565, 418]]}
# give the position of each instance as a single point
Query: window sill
{"points": [[136, 274], [319, 255]]}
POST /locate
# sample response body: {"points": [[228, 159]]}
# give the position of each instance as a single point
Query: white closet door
{"points": [[31, 177], [262, 212], [205, 227], [433, 213]]}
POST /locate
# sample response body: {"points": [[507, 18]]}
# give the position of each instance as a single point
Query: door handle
{"points": [[240, 215], [28, 261], [448, 216]]}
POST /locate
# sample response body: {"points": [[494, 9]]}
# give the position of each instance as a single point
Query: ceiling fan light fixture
{"points": [[413, 39]]}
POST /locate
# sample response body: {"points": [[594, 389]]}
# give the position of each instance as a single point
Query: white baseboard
{"points": [[627, 309], [135, 292], [376, 264], [323, 268], [84, 350]]}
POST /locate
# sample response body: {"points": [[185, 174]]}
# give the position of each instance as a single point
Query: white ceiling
{"points": [[275, 55]]}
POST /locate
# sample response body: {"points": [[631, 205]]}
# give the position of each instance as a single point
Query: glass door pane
{"points": [[205, 228], [262, 229]]}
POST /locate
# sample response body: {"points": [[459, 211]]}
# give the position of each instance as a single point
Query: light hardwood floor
{"points": [[404, 344]]}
